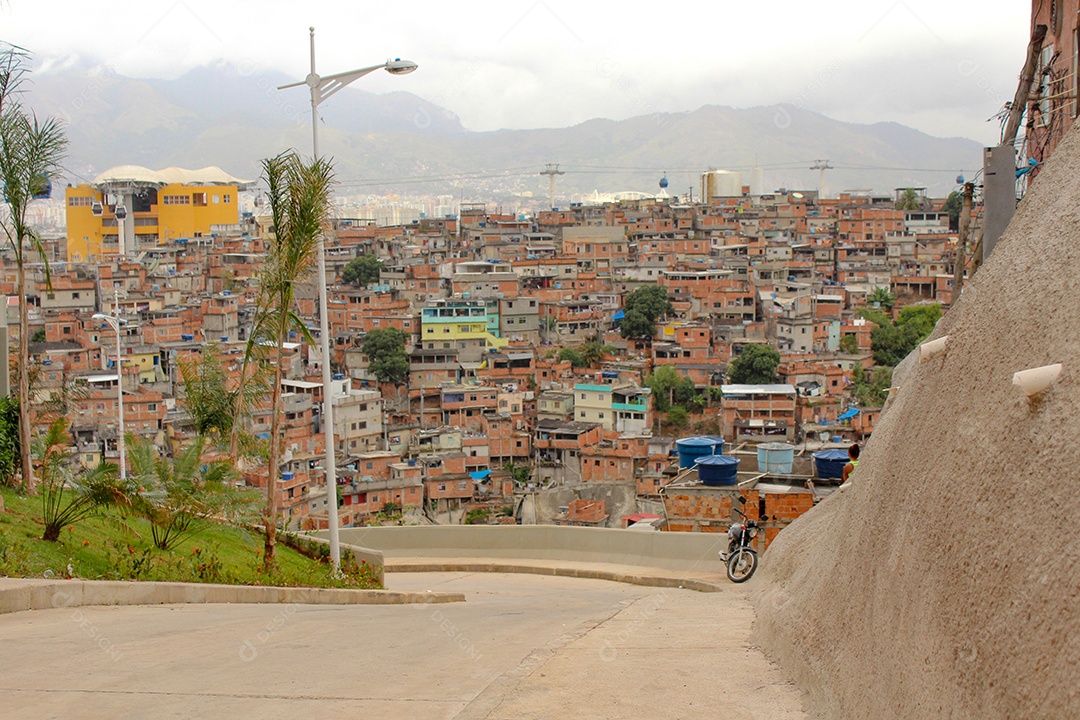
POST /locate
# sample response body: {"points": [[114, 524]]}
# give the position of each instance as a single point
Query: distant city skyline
{"points": [[943, 68]]}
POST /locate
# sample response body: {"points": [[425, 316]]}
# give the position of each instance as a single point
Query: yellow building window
{"points": [[80, 201]]}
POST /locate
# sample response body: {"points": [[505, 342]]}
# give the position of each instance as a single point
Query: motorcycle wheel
{"points": [[741, 565]]}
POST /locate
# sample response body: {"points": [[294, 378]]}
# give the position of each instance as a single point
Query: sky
{"points": [[942, 67]]}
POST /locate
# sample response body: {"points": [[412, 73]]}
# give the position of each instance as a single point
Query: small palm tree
{"points": [[882, 297], [216, 404], [182, 495], [67, 498], [299, 199], [30, 151]]}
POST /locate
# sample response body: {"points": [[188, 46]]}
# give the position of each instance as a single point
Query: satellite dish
{"points": [[797, 196]]}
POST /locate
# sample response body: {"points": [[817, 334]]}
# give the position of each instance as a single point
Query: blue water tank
{"points": [[775, 458], [287, 475], [830, 463], [714, 470], [692, 448]]}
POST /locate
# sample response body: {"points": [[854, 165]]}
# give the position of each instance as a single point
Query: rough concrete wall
{"points": [[619, 498], [946, 581]]}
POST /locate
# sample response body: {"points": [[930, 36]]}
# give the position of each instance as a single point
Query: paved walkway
{"points": [[521, 646]]}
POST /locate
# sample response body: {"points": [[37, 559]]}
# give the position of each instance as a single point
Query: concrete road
{"points": [[522, 646]]}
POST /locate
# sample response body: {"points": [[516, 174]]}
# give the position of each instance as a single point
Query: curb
{"points": [[644, 578], [19, 594]]}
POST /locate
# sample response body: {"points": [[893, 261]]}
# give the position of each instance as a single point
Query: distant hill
{"points": [[222, 115]]}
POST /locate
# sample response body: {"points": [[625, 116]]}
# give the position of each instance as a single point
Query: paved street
{"points": [[522, 646]]}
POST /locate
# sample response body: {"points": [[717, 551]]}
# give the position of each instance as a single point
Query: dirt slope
{"points": [[946, 582]]}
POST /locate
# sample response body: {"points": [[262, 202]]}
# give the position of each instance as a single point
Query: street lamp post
{"points": [[114, 321], [322, 88]]}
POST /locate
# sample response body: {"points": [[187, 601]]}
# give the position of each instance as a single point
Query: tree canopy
{"points": [[363, 270], [388, 360], [909, 200], [882, 297], [635, 325], [650, 300], [573, 357], [892, 341], [755, 366], [669, 388]]}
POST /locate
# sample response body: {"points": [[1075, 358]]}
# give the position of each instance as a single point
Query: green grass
{"points": [[113, 547]]}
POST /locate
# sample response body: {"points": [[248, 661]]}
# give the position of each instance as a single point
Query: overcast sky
{"points": [[943, 67]]}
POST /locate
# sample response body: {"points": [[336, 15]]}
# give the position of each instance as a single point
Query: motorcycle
{"points": [[741, 557]]}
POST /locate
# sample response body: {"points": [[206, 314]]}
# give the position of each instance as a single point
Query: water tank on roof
{"points": [[287, 475], [339, 376], [830, 463], [775, 458], [718, 470], [692, 448], [187, 338]]}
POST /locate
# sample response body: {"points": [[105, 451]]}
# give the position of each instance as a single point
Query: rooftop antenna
{"points": [[552, 169]]}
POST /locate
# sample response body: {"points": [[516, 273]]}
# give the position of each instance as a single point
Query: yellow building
{"points": [[156, 207]]}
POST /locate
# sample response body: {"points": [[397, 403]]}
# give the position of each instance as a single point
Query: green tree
{"points": [[593, 351], [635, 325], [31, 151], [573, 357], [669, 388], [387, 358], [214, 402], [849, 344], [363, 270], [520, 473], [10, 459], [909, 200], [756, 365], [650, 300], [67, 498], [954, 205], [882, 297], [872, 389], [182, 496], [891, 342], [299, 198], [38, 336]]}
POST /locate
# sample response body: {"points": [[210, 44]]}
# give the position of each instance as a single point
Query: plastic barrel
{"points": [[830, 463], [692, 448], [775, 458], [717, 470]]}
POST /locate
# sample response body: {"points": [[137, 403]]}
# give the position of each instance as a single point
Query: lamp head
{"points": [[397, 66]]}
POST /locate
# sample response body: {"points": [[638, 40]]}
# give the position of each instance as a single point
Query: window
{"points": [[227, 199], [177, 200], [199, 199], [80, 201]]}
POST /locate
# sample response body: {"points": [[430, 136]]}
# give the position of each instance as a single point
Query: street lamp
{"points": [[116, 321], [322, 88]]}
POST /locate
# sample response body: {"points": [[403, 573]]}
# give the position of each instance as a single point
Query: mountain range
{"points": [[399, 143]]}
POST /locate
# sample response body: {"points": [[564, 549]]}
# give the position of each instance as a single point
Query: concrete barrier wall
{"points": [[686, 552], [374, 558]]}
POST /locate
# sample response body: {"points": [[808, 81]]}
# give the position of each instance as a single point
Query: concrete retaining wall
{"points": [[17, 594], [683, 552]]}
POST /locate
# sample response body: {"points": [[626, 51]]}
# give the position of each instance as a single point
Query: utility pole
{"points": [[552, 169], [821, 166], [961, 243]]}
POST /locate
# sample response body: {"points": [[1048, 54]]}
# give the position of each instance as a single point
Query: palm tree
{"points": [[215, 404], [882, 297], [67, 498], [299, 199], [181, 496], [30, 151]]}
